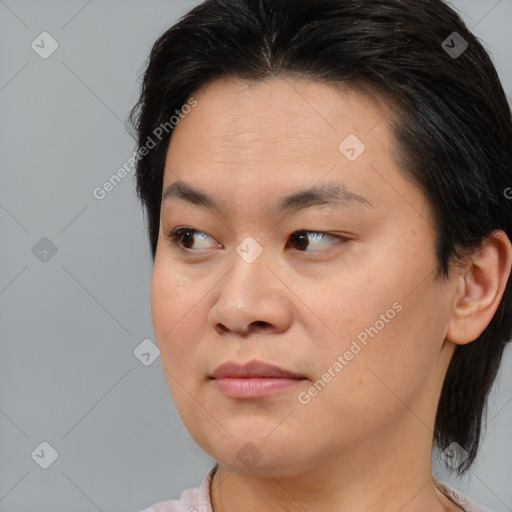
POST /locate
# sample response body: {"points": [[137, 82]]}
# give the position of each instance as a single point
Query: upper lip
{"points": [[252, 369]]}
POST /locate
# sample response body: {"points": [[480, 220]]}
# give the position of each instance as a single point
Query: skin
{"points": [[364, 441]]}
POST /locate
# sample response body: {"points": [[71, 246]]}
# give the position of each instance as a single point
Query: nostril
{"points": [[255, 326], [260, 323]]}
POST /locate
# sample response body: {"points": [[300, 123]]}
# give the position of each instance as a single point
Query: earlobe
{"points": [[481, 287]]}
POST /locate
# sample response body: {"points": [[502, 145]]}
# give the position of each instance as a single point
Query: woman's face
{"points": [[348, 305]]}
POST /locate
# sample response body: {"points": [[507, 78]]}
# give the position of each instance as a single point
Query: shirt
{"points": [[198, 499]]}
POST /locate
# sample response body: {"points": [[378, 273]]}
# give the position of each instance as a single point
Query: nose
{"points": [[251, 297]]}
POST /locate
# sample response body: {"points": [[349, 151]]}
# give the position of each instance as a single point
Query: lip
{"points": [[253, 379], [252, 369]]}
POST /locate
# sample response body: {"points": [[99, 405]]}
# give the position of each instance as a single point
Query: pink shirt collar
{"points": [[198, 499]]}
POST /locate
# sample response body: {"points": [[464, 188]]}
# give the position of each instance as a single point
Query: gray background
{"points": [[69, 325]]}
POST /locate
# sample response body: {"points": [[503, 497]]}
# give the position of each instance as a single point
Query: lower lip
{"points": [[254, 387]]}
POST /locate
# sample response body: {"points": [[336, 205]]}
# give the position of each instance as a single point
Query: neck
{"points": [[363, 479]]}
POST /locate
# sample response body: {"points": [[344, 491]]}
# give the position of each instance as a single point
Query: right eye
{"points": [[183, 238]]}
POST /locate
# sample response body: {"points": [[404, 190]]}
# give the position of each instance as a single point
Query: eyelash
{"points": [[174, 237]]}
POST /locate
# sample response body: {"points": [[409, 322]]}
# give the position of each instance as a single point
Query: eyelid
{"points": [[339, 239], [174, 235]]}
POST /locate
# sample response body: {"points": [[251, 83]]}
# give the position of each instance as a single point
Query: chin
{"points": [[254, 452]]}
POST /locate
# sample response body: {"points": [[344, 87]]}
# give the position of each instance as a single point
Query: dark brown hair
{"points": [[454, 128]]}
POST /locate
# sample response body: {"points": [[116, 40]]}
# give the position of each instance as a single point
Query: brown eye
{"points": [[303, 239], [300, 240], [185, 237]]}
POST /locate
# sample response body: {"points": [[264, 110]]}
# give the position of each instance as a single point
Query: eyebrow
{"points": [[330, 194]]}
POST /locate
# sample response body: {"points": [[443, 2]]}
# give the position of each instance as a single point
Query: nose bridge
{"points": [[250, 293], [249, 274]]}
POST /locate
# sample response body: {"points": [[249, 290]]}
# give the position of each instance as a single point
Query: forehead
{"points": [[281, 112], [246, 141], [279, 121]]}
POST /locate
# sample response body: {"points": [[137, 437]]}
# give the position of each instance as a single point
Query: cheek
{"points": [[174, 312], [388, 340], [176, 315], [372, 384], [165, 296]]}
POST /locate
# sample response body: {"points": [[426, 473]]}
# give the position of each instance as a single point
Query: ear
{"points": [[480, 288]]}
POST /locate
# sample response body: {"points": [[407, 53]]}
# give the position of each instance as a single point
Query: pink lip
{"points": [[253, 379]]}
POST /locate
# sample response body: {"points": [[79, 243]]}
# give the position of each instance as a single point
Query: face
{"points": [[312, 253]]}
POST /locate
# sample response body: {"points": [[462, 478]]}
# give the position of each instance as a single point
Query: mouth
{"points": [[253, 379]]}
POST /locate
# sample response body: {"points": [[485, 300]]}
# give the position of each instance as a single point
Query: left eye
{"points": [[303, 239], [183, 237]]}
